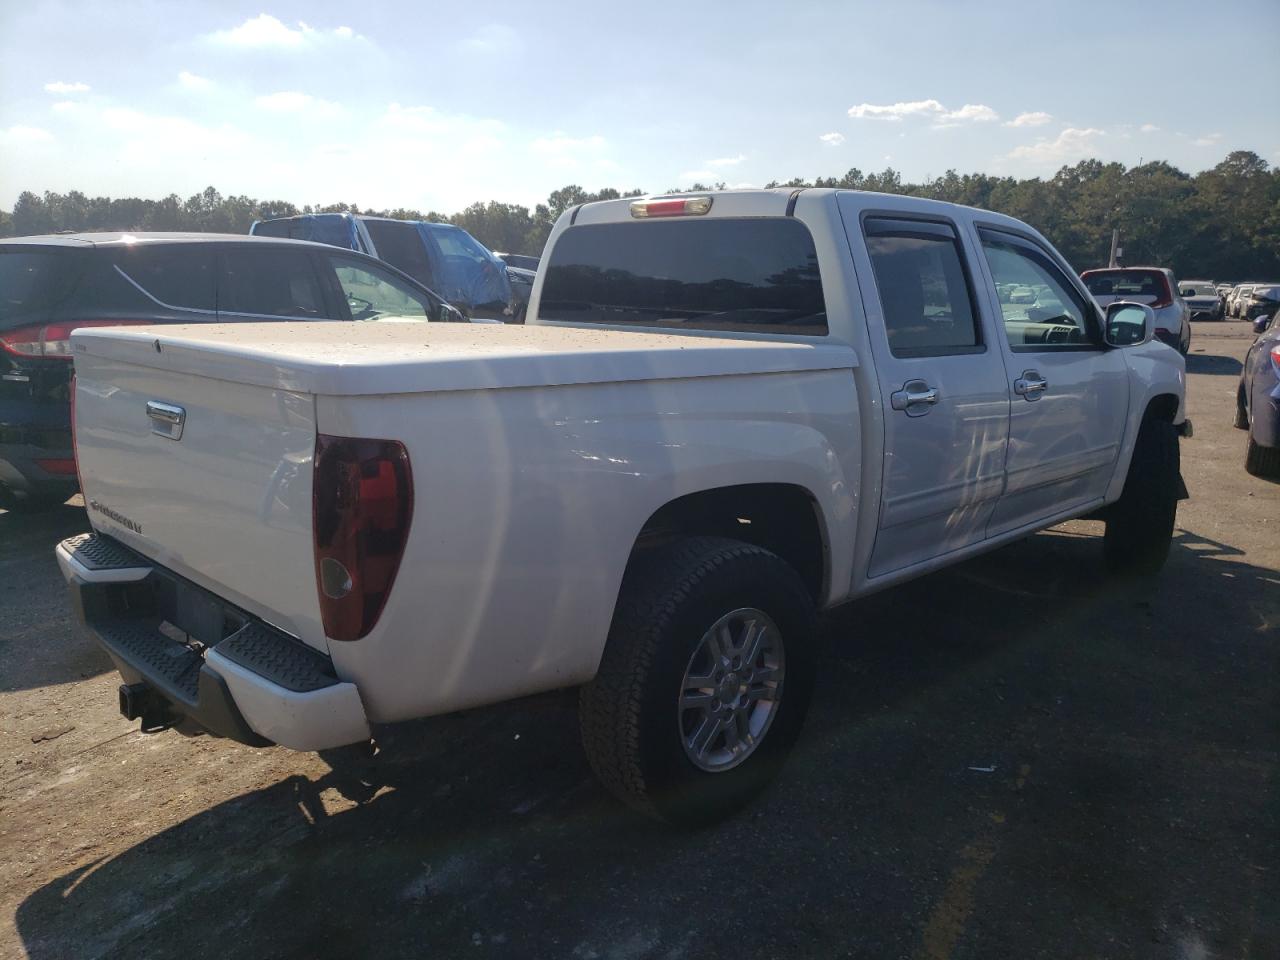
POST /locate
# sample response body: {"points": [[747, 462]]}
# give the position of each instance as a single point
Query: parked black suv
{"points": [[51, 285]]}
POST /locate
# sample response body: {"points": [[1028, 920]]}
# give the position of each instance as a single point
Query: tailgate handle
{"points": [[167, 419]]}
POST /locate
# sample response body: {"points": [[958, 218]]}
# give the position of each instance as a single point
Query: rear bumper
{"points": [[234, 677]]}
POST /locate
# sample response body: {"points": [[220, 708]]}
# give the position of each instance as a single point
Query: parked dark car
{"points": [[1258, 399], [49, 286], [440, 256]]}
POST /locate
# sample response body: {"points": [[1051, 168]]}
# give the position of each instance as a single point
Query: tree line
{"points": [[1220, 224]]}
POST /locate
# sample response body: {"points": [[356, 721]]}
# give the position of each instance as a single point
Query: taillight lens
{"points": [[52, 341], [362, 504], [1275, 357], [683, 207], [1166, 297]]}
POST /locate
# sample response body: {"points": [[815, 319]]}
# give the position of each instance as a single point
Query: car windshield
{"points": [[1194, 289]]}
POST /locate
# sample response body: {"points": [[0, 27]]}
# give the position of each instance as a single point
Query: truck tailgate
{"points": [[227, 503]]}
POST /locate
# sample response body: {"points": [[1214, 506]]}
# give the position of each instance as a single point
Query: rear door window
{"points": [[1138, 286], [269, 281], [743, 275], [925, 293], [176, 276]]}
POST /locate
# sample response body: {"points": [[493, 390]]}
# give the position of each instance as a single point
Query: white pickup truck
{"points": [[725, 414]]}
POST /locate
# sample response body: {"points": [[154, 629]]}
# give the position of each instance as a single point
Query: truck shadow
{"points": [[38, 649], [501, 843]]}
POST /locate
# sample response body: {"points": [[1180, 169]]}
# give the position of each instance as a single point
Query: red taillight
{"points": [[362, 504], [52, 341], [1166, 297], [1275, 357], [60, 466]]}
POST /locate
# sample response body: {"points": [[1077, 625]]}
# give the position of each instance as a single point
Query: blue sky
{"points": [[435, 105]]}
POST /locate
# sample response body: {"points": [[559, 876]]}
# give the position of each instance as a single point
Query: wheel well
{"points": [[1164, 407], [779, 517]]}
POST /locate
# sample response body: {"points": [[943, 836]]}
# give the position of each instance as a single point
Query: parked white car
{"points": [[726, 414], [1154, 286]]}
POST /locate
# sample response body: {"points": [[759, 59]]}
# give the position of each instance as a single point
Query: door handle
{"points": [[167, 419], [1030, 385], [915, 398]]}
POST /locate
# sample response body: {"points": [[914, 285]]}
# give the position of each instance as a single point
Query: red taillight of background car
{"points": [[52, 341], [1275, 357], [1166, 297], [362, 505]]}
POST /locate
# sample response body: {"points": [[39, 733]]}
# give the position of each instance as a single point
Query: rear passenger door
{"points": [[1069, 392], [946, 408]]}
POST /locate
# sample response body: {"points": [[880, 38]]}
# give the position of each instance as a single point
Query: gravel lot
{"points": [[1014, 758]]}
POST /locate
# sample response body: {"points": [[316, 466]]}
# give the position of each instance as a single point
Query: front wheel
{"points": [[705, 679], [1140, 523]]}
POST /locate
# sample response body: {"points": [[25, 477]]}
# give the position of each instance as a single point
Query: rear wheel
{"points": [[704, 682], [1262, 461], [1140, 523]]}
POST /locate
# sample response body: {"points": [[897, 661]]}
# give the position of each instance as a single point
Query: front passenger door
{"points": [[1069, 393]]}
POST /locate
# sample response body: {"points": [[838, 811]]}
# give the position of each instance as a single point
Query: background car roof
{"points": [[126, 239]]}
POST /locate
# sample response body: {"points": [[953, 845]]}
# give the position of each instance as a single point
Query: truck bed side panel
{"points": [[528, 501]]}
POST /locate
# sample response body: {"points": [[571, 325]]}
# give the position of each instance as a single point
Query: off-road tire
{"points": [[1140, 523], [628, 713], [1262, 461]]}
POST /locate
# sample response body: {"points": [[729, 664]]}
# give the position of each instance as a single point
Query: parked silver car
{"points": [[1202, 297], [1238, 298], [1154, 286]]}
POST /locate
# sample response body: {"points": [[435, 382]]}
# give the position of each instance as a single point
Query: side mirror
{"points": [[1262, 324], [1129, 324]]}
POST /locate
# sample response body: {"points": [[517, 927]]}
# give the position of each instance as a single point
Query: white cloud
{"points": [[494, 39], [1149, 128], [64, 106], [1208, 140], [558, 144], [25, 136], [934, 110], [832, 139], [1072, 144], [1037, 118], [190, 81], [888, 157], [896, 111], [971, 112], [267, 32], [293, 101], [726, 161], [64, 88]]}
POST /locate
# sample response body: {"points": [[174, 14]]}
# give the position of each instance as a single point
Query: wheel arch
{"points": [[784, 518]]}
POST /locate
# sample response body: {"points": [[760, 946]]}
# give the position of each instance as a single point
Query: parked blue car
{"points": [[440, 256], [1258, 399]]}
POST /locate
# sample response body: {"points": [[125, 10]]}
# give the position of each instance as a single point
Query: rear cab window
{"points": [[746, 275], [400, 244]]}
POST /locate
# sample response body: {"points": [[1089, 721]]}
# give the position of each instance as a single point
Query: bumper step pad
{"points": [[280, 659], [102, 553]]}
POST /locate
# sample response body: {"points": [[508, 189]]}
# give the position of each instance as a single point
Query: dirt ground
{"points": [[1017, 757]]}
